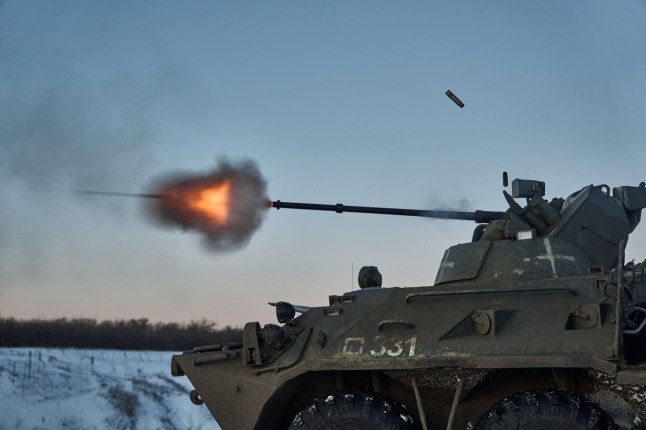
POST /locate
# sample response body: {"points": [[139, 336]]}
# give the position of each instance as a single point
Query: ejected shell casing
{"points": [[455, 99]]}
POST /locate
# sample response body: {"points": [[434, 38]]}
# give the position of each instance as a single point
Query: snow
{"points": [[92, 389]]}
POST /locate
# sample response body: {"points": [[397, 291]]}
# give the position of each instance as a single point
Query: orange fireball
{"points": [[226, 204], [211, 202]]}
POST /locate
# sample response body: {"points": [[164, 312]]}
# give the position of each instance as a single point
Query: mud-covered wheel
{"points": [[353, 411], [545, 409]]}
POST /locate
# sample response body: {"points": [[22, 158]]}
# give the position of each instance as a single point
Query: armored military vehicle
{"points": [[537, 323]]}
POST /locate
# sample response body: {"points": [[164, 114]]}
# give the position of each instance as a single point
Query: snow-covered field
{"points": [[94, 389]]}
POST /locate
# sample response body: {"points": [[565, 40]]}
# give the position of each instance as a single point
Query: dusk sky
{"points": [[335, 101]]}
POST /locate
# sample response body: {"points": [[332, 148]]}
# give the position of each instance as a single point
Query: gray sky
{"points": [[336, 101]]}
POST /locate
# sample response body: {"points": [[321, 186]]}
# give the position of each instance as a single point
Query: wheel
{"points": [[353, 411], [545, 410]]}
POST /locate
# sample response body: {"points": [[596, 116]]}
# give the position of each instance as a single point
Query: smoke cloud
{"points": [[240, 211], [437, 202], [57, 136]]}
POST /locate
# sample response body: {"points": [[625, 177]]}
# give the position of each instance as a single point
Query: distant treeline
{"points": [[120, 334]]}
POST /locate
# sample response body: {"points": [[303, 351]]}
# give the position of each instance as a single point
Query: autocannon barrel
{"points": [[477, 216]]}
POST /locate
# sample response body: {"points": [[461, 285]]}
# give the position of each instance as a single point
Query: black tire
{"points": [[353, 411], [545, 410]]}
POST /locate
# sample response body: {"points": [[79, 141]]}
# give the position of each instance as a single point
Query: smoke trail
{"points": [[226, 204], [436, 201]]}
